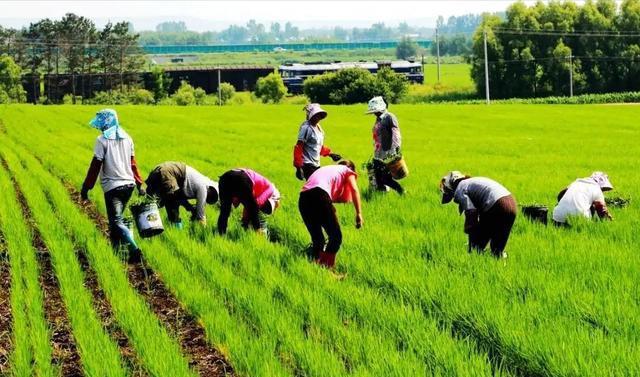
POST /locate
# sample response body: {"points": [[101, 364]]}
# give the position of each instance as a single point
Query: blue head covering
{"points": [[106, 120]]}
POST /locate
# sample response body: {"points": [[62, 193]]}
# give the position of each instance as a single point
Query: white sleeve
{"points": [[201, 202], [133, 152], [99, 150], [597, 195]]}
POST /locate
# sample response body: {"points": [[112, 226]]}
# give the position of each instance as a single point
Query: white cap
{"points": [[602, 179], [377, 105], [447, 183]]}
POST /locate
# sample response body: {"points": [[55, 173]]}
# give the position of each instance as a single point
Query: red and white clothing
{"points": [[386, 136]]}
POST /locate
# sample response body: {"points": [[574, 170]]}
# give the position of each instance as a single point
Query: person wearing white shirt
{"points": [[583, 198]]}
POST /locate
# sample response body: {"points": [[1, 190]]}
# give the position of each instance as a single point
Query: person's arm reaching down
{"points": [[91, 178], [355, 197], [297, 154], [136, 175], [602, 210], [470, 220]]}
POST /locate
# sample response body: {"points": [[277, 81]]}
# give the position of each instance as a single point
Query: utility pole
{"points": [[570, 75], [438, 54], [486, 68], [219, 89]]}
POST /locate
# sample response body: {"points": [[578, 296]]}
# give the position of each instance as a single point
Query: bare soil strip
{"points": [[5, 309], [64, 351], [203, 358], [104, 311]]}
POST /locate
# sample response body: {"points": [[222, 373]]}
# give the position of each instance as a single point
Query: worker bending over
{"points": [[258, 196], [174, 183], [310, 145], [489, 209], [328, 185], [114, 160], [584, 197]]}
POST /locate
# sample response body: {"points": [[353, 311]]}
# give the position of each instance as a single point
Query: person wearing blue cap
{"points": [[113, 159]]}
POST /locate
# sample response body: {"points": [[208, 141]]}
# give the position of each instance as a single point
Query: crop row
{"points": [[552, 309]]}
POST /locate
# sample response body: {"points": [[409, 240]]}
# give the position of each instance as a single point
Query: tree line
{"points": [[536, 50], [74, 45], [177, 33]]}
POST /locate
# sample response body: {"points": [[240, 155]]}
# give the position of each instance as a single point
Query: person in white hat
{"points": [[114, 161], [489, 208], [174, 183], [386, 143], [582, 198], [310, 145], [256, 193]]}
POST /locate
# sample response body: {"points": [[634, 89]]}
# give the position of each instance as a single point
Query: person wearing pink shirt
{"points": [[328, 185], [257, 195]]}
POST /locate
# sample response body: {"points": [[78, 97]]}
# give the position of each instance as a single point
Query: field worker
{"points": [[174, 183], [489, 209], [386, 143], [115, 162], [310, 145], [582, 198], [258, 196], [328, 185]]}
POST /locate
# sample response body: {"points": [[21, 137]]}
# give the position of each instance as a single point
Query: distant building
{"points": [[294, 75]]}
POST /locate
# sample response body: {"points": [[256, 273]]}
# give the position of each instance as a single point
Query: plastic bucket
{"points": [[536, 213], [398, 168], [147, 218]]}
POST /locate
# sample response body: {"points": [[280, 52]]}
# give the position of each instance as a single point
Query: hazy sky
{"points": [[216, 15]]}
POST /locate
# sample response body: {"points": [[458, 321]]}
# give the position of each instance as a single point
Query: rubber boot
{"points": [[327, 260]]}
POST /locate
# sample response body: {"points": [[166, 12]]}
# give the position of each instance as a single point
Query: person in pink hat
{"points": [[583, 198], [310, 145]]}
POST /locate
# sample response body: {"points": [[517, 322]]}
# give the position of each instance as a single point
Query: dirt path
{"points": [[205, 359], [64, 351], [103, 308], [5, 309]]}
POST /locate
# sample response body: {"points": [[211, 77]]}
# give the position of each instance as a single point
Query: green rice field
{"points": [[406, 298]]}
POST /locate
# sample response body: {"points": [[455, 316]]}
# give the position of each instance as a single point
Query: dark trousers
{"points": [[173, 202], [384, 178], [318, 213], [495, 225], [237, 184], [308, 169], [116, 201]]}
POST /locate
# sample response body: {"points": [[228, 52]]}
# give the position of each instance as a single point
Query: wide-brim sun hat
{"points": [[105, 118], [376, 105], [602, 179], [314, 109], [447, 184]]}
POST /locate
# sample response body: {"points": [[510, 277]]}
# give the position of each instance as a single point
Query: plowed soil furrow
{"points": [[104, 311], [5, 309], [64, 351], [205, 359]]}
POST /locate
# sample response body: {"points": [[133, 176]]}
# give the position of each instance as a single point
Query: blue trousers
{"points": [[116, 201]]}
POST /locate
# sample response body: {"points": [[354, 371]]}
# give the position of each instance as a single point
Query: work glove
{"points": [[84, 194], [299, 174], [335, 157], [141, 191]]}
